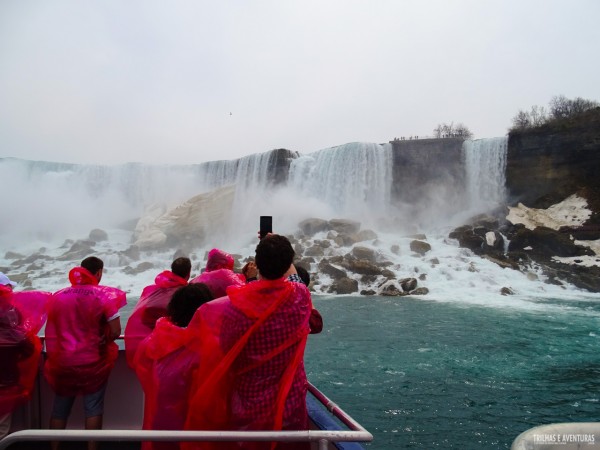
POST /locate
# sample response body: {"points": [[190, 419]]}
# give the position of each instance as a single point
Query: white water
{"points": [[353, 179], [485, 161], [54, 202]]}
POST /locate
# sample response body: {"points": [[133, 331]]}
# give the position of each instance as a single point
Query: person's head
{"points": [[218, 259], [274, 256], [182, 267], [185, 301], [94, 265], [303, 274], [5, 281]]}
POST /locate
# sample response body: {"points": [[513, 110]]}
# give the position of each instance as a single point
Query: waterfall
{"points": [[50, 199], [353, 179], [485, 166]]}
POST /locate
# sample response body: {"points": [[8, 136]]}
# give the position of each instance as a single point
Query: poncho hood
{"points": [[80, 275], [168, 279]]}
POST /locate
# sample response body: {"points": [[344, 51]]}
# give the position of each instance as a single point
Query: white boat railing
{"points": [[322, 437], [356, 432]]}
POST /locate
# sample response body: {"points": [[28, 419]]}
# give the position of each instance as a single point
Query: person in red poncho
{"points": [[152, 304], [218, 274], [252, 375], [22, 315], [83, 322], [166, 363]]}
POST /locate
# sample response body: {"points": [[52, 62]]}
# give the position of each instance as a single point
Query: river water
{"points": [[429, 374]]}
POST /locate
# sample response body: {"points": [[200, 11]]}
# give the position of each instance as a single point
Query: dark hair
{"points": [[303, 274], [274, 255], [182, 267], [92, 264], [185, 301]]}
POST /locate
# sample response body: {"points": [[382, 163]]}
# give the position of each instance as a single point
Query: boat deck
{"points": [[123, 415]]}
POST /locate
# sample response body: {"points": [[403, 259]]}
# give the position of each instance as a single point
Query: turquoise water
{"points": [[423, 374]]}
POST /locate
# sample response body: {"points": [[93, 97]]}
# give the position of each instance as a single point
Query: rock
{"points": [[420, 247], [133, 253], [408, 284], [333, 272], [423, 277], [365, 253], [367, 292], [306, 261], [434, 262], [502, 261], [78, 251], [546, 242], [344, 286], [390, 288], [299, 249], [361, 266], [420, 291], [310, 227], [365, 235], [98, 235], [589, 232], [486, 221], [344, 240], [324, 243], [315, 250], [13, 255], [494, 240], [506, 291], [469, 237], [188, 224], [395, 249], [344, 226], [388, 274], [142, 267]]}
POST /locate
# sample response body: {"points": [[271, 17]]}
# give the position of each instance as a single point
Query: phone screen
{"points": [[266, 225]]}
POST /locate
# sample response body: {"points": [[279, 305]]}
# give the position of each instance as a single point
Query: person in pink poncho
{"points": [[83, 323], [22, 315], [252, 342], [166, 363], [219, 273], [152, 304]]}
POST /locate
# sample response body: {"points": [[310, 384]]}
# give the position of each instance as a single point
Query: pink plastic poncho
{"points": [[219, 273], [166, 364], [22, 315], [79, 354], [252, 373], [151, 306]]}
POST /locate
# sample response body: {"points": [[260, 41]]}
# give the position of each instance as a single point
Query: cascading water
{"points": [[485, 166], [353, 179]]}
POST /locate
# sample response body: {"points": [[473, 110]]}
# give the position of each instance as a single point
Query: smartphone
{"points": [[266, 225]]}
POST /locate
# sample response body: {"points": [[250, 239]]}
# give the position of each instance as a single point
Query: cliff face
{"points": [[549, 163]]}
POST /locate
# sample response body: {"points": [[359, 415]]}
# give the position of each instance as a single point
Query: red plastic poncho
{"points": [[219, 274], [252, 347], [166, 364], [219, 280], [79, 355], [151, 306], [22, 315]]}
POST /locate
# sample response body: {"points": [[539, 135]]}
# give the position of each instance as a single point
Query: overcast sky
{"points": [[113, 81]]}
